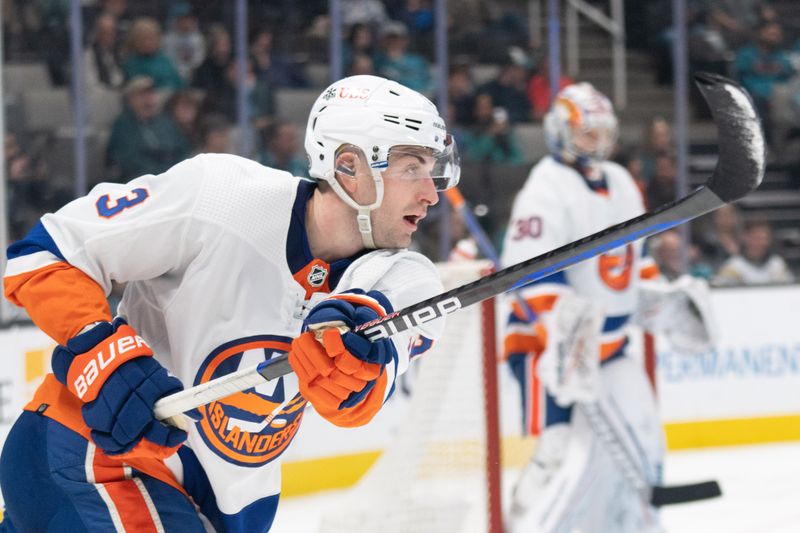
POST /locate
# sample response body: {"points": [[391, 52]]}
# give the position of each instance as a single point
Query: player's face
{"points": [[592, 141], [408, 192]]}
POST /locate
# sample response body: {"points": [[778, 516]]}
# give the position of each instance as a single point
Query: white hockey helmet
{"points": [[376, 115], [581, 124]]}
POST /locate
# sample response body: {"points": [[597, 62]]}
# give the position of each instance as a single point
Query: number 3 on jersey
{"points": [[107, 210]]}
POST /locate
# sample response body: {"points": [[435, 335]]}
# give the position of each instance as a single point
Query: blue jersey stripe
{"points": [[37, 240], [615, 322]]}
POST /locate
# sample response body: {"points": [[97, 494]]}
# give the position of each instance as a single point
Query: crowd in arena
{"points": [[170, 67]]}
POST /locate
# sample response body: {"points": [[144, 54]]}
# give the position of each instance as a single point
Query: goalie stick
{"points": [[656, 495], [739, 170]]}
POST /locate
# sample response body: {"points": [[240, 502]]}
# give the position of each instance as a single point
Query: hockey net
{"points": [[441, 472]]}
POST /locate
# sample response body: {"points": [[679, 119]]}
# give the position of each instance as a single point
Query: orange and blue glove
{"points": [[343, 374], [111, 369]]}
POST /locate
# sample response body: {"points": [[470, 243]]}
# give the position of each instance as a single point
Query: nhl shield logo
{"points": [[317, 276]]}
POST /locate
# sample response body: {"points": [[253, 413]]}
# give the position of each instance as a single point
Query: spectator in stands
{"points": [[718, 234], [761, 66], [361, 64], [658, 142], [491, 138], [539, 89], [145, 57], [118, 9], [102, 59], [667, 251], [708, 48], [53, 37], [281, 149], [739, 19], [360, 40], [143, 139], [210, 75], [272, 68], [461, 93], [28, 189], [215, 134], [183, 43], [395, 62], [509, 89], [757, 264], [418, 17], [467, 23], [661, 188], [224, 98], [369, 12], [183, 108]]}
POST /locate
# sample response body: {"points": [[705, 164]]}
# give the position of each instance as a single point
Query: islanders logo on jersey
{"points": [[253, 427], [616, 267]]}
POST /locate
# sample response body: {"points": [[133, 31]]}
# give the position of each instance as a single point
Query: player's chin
{"points": [[395, 240]]}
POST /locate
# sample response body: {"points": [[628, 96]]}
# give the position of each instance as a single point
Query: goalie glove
{"points": [[680, 310], [569, 366], [343, 374], [111, 369]]}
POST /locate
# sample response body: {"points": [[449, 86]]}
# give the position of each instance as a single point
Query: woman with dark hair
{"points": [[360, 40], [210, 75], [271, 67]]}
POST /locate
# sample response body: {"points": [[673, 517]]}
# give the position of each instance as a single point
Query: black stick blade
{"points": [[740, 168], [685, 493]]}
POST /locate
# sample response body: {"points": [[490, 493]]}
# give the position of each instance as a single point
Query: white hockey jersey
{"points": [[219, 275], [557, 206]]}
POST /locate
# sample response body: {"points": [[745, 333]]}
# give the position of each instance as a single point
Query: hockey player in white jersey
{"points": [[567, 343], [227, 263]]}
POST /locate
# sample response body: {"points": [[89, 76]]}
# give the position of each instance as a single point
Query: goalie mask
{"points": [[581, 126], [382, 120]]}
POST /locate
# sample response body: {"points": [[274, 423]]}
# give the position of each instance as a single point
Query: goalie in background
{"points": [[566, 338]]}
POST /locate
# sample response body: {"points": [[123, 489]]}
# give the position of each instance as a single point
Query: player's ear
{"points": [[346, 166]]}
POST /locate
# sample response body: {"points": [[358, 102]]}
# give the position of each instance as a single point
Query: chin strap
{"points": [[365, 227], [363, 211]]}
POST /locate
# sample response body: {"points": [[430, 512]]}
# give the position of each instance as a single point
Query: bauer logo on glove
{"points": [[124, 343]]}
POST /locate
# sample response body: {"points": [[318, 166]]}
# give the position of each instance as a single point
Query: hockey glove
{"points": [[111, 369], [341, 373], [569, 366]]}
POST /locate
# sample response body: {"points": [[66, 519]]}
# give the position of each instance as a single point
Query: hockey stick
{"points": [[656, 495], [739, 170]]}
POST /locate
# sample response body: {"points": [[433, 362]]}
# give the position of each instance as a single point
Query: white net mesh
{"points": [[432, 478]]}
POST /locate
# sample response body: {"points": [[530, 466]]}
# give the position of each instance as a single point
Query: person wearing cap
{"points": [[227, 263], [143, 139], [395, 62]]}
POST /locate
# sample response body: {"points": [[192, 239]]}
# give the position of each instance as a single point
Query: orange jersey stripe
{"points": [[607, 349], [65, 408], [533, 342], [539, 304], [130, 506], [59, 298]]}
